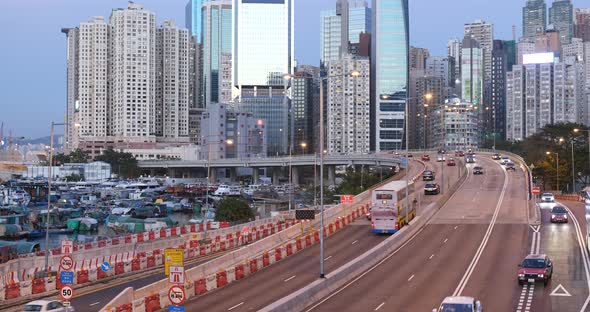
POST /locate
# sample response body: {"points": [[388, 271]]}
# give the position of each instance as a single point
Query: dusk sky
{"points": [[33, 51]]}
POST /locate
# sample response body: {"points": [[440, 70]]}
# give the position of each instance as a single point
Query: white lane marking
{"points": [[93, 304], [356, 241], [584, 251], [484, 242], [535, 228], [560, 291], [411, 277], [538, 242], [328, 258], [379, 306], [237, 305], [522, 297], [290, 278], [432, 256], [389, 256], [446, 240]]}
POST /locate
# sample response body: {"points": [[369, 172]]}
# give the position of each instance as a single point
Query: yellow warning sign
{"points": [[173, 256]]}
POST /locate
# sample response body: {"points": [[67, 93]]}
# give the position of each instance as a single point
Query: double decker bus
{"points": [[388, 207]]}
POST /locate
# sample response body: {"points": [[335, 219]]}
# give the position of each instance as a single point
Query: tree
{"points": [[74, 178], [354, 179], [123, 164], [78, 156], [233, 209]]}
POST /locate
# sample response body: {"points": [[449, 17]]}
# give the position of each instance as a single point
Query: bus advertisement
{"points": [[388, 207]]}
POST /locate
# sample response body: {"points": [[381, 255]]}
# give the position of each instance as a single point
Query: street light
{"points": [[557, 170], [427, 97], [53, 124], [303, 146]]}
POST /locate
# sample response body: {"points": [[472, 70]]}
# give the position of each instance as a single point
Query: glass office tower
{"points": [[217, 50], [192, 18], [263, 56], [389, 71]]}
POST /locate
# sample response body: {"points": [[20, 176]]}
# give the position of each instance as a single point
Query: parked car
{"points": [[431, 189], [459, 304], [477, 170], [425, 157], [535, 268], [558, 214], [428, 175]]}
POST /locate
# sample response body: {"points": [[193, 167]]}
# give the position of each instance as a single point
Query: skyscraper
{"points": [[303, 106], [484, 34], [472, 71], [263, 57], [534, 17], [561, 16], [72, 104], [454, 50], [503, 58], [418, 58], [134, 71], [216, 45], [389, 73], [192, 18], [582, 24], [340, 29]]}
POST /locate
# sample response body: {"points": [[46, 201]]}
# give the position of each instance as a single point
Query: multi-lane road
{"points": [[287, 276], [471, 247]]}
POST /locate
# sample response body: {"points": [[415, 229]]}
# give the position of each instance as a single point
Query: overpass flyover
{"points": [[197, 168]]}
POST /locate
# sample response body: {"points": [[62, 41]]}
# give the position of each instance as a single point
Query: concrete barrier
{"points": [[123, 298]]}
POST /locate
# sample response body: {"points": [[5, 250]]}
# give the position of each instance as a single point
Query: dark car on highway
{"points": [[510, 166], [428, 175], [431, 189], [558, 214], [478, 170], [535, 268]]}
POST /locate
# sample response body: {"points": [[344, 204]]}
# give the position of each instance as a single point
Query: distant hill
{"points": [[41, 140]]}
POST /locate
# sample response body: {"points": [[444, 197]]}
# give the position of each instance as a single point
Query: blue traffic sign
{"points": [[105, 266], [172, 308], [66, 277]]}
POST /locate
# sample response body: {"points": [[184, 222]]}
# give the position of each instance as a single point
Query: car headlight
{"points": [[541, 275], [521, 275], [565, 216], [552, 216]]}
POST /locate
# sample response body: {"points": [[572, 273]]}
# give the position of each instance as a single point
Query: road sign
{"points": [[173, 256], [346, 199], [304, 214], [176, 295], [67, 246], [66, 293], [105, 266], [172, 308], [66, 263], [176, 274], [536, 190], [66, 277]]}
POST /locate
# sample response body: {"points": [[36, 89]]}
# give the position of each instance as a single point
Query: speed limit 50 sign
{"points": [[66, 293]]}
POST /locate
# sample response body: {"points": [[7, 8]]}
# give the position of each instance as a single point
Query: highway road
{"points": [[471, 247], [286, 276], [560, 242], [93, 298]]}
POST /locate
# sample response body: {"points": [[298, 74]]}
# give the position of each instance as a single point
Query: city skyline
{"points": [[28, 113]]}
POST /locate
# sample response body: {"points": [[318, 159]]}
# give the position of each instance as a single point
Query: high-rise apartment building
{"points": [[263, 57], [582, 24], [561, 16], [541, 94], [483, 33], [330, 36], [134, 71], [349, 106], [93, 79], [459, 129], [72, 104], [534, 18], [172, 82], [429, 96], [193, 17], [389, 74], [216, 44], [472, 69], [418, 58], [578, 51], [443, 67]]}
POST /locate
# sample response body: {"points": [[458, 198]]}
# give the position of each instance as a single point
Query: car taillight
{"points": [[396, 225], [372, 225]]}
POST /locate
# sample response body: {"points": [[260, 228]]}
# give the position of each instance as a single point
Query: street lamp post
{"points": [[573, 168], [322, 275], [557, 167], [53, 124], [427, 97]]}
